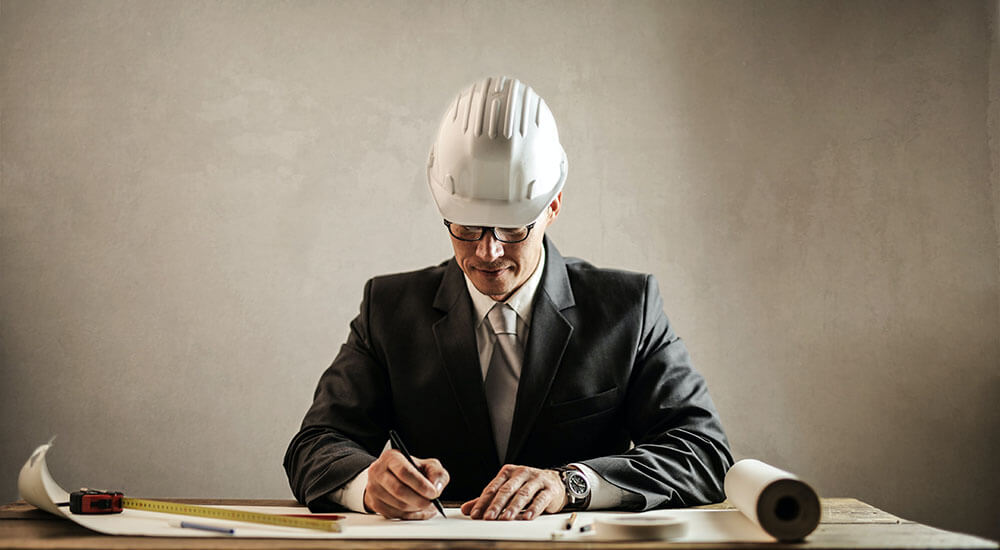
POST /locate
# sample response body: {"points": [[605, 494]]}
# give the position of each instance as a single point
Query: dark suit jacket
{"points": [[602, 368]]}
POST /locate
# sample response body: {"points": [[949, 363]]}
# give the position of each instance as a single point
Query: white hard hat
{"points": [[497, 160]]}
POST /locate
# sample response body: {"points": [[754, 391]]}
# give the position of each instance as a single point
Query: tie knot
{"points": [[503, 319]]}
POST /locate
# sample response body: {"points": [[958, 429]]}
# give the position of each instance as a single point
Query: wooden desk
{"points": [[847, 524]]}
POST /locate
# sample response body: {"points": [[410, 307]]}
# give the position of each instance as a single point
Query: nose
{"points": [[488, 248]]}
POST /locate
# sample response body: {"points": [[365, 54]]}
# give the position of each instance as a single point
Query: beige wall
{"points": [[194, 193], [993, 119]]}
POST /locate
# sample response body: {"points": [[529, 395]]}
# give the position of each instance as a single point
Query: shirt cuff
{"points": [[603, 494], [351, 495]]}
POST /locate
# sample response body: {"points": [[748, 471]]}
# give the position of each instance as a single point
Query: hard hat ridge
{"points": [[497, 159]]}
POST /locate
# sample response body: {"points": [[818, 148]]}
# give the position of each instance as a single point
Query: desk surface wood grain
{"points": [[846, 524]]}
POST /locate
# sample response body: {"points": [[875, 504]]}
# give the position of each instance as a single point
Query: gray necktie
{"points": [[503, 374]]}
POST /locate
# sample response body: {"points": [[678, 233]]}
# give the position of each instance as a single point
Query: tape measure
{"points": [[89, 501], [231, 515]]}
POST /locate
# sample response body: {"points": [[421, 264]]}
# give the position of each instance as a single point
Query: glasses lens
{"points": [[512, 234], [466, 232]]}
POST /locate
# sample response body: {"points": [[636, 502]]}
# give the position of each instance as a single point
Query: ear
{"points": [[554, 208]]}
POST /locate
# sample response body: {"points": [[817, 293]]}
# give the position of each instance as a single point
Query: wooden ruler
{"points": [[230, 515]]}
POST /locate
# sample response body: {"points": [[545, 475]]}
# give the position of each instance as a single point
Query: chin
{"points": [[492, 289], [492, 292]]}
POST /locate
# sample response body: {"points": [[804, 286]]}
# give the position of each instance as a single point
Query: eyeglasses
{"points": [[507, 235]]}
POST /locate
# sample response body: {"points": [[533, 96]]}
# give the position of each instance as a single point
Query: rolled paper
{"points": [[783, 505]]}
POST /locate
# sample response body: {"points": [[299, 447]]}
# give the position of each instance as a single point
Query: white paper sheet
{"points": [[37, 487]]}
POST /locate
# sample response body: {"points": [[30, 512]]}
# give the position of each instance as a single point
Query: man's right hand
{"points": [[398, 490]]}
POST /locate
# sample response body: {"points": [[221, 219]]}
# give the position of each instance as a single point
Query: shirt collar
{"points": [[520, 301]]}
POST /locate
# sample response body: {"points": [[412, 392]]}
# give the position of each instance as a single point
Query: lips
{"points": [[492, 271]]}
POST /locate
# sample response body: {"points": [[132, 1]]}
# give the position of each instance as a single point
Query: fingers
{"points": [[518, 492], [489, 493], [396, 489], [539, 505], [533, 490], [392, 493], [434, 473], [550, 500], [411, 477], [395, 513]]}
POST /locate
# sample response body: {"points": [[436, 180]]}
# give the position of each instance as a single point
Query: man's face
{"points": [[498, 269]]}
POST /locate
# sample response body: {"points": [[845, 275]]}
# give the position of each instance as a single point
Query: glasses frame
{"points": [[492, 230]]}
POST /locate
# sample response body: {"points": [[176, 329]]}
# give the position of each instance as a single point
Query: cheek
{"points": [[462, 252]]}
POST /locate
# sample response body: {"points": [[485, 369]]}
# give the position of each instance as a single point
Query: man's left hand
{"points": [[518, 492]]}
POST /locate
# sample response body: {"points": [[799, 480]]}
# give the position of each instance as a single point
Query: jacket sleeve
{"points": [[681, 454], [346, 425]]}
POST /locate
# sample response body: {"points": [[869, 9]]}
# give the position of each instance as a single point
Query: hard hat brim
{"points": [[492, 213]]}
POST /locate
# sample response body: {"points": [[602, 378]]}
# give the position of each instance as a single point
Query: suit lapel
{"points": [[549, 336], [456, 343]]}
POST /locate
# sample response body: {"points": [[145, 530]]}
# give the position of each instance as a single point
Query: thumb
{"points": [[435, 473]]}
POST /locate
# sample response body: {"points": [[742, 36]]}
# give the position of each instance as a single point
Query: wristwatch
{"points": [[577, 488]]}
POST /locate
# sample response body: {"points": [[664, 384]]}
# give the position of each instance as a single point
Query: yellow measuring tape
{"points": [[227, 514]]}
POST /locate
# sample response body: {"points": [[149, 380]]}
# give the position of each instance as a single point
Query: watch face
{"points": [[577, 484]]}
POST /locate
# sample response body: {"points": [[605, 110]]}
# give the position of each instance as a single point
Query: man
{"points": [[535, 383]]}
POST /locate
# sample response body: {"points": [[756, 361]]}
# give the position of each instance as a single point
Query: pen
{"points": [[569, 522], [398, 444], [203, 527]]}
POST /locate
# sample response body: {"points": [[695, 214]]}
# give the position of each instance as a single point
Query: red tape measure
{"points": [[89, 501]]}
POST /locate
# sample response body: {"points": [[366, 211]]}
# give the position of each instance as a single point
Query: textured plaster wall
{"points": [[994, 115], [193, 194]]}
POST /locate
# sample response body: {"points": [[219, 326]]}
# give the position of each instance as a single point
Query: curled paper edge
{"points": [[36, 486]]}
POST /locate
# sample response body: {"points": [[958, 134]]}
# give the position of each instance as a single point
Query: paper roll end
{"points": [[788, 509]]}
